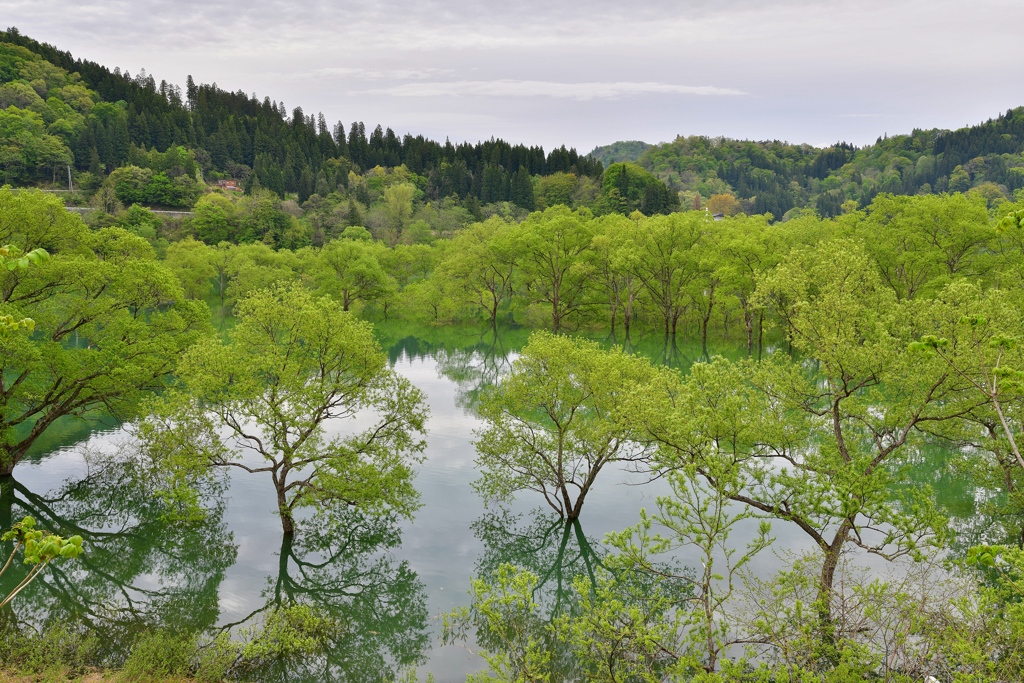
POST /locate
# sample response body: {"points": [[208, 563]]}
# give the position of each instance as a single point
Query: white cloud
{"points": [[577, 91], [372, 74]]}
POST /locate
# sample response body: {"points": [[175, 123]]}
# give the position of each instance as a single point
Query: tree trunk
{"points": [[704, 333], [760, 334], [748, 321], [6, 504], [7, 463], [283, 509]]}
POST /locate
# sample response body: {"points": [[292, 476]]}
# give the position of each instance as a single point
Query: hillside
{"points": [[74, 111], [777, 177]]}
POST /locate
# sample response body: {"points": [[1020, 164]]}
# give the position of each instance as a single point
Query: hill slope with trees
{"points": [[78, 112], [777, 177]]}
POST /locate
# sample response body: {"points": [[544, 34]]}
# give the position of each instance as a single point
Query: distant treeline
{"points": [[236, 135]]}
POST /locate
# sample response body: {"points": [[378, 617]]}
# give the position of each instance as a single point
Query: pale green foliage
{"points": [[350, 271], [287, 632], [293, 363], [622, 630], [918, 244], [398, 208], [697, 519], [110, 322], [479, 267], [39, 548], [557, 420], [818, 445], [507, 619], [553, 272], [192, 262], [11, 259], [976, 336], [665, 261]]}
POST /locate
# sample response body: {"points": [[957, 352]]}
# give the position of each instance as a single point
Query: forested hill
{"points": [[75, 111], [777, 177], [628, 150]]}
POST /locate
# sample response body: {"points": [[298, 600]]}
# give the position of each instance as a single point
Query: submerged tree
{"points": [[558, 419], [109, 322], [294, 363], [820, 443]]}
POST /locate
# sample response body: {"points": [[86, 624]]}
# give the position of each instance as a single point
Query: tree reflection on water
{"points": [[144, 571]]}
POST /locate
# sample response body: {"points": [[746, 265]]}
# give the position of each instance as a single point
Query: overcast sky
{"points": [[583, 73]]}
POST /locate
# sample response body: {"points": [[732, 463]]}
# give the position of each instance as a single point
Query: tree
{"points": [[398, 207], [976, 336], [724, 204], [521, 191], [213, 219], [350, 271], [551, 247], [748, 248], [192, 262], [557, 420], [481, 264], [110, 322], [921, 243], [610, 259], [818, 442], [699, 518], [293, 364], [666, 263]]}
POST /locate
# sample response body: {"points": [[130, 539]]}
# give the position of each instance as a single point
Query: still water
{"points": [[386, 581]]}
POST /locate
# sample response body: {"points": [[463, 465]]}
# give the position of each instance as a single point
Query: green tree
{"points": [[398, 207], [213, 219], [557, 420], [190, 260], [976, 334], [521, 190], [294, 363], [481, 264], [921, 243], [612, 257], [666, 261], [819, 442], [749, 248], [351, 272], [551, 248], [110, 321]]}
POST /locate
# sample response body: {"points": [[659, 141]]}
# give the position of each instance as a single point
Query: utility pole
{"points": [[70, 188]]}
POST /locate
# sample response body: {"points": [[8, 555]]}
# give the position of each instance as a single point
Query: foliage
{"points": [[294, 362], [12, 259], [557, 420], [110, 322], [39, 548]]}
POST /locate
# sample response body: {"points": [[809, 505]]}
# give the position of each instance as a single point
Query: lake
{"points": [[386, 581]]}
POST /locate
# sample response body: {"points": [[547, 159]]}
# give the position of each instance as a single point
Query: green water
{"points": [[386, 581]]}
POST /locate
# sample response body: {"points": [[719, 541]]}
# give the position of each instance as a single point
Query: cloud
{"points": [[513, 88], [532, 70], [371, 74]]}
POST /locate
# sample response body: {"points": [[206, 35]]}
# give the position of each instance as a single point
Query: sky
{"points": [[582, 74]]}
